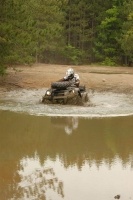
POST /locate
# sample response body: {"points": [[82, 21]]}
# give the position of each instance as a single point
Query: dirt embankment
{"points": [[116, 79]]}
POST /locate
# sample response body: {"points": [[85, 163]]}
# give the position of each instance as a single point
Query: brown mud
{"points": [[96, 78]]}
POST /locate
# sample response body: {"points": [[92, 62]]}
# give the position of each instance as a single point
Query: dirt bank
{"points": [[116, 79]]}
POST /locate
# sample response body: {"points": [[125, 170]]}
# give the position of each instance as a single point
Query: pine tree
{"points": [[126, 40]]}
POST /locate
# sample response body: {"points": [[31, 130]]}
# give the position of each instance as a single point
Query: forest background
{"points": [[73, 32]]}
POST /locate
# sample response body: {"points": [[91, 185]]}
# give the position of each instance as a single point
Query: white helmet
{"points": [[70, 72]]}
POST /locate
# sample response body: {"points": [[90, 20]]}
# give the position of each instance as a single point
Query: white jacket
{"points": [[74, 79]]}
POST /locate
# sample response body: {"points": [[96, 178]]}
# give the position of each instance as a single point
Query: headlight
{"points": [[48, 93], [73, 91]]}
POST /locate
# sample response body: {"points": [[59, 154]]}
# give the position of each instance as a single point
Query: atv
{"points": [[65, 92]]}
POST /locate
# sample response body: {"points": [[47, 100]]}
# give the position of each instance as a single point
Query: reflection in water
{"points": [[38, 160], [67, 123], [36, 181]]}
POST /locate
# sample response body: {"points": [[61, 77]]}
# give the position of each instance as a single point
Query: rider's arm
{"points": [[77, 82], [63, 79]]}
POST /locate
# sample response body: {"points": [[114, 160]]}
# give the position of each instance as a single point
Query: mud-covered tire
{"points": [[60, 85], [45, 101], [82, 88], [85, 97], [77, 100]]}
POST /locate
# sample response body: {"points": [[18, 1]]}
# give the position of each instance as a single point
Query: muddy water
{"points": [[54, 153], [103, 104]]}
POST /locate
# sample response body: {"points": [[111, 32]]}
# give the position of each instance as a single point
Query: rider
{"points": [[71, 76]]}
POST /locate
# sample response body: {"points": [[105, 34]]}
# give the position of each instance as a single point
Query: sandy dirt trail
{"points": [[115, 79]]}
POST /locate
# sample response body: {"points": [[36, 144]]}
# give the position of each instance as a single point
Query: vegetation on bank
{"points": [[66, 32]]}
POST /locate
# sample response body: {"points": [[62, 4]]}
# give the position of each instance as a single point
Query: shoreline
{"points": [[100, 79]]}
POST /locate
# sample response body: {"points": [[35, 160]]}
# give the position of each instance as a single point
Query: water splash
{"points": [[103, 104]]}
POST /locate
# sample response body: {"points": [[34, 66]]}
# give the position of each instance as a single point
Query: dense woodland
{"points": [[66, 32]]}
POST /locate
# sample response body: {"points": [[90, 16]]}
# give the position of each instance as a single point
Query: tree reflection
{"points": [[36, 181], [90, 141]]}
